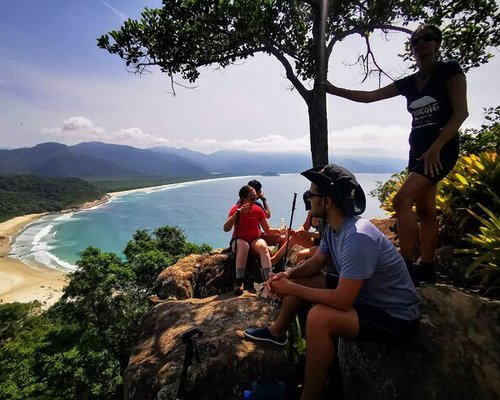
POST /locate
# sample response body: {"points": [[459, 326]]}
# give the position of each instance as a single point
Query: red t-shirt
{"points": [[248, 228]]}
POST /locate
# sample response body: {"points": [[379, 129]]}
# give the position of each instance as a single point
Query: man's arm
{"points": [[341, 298], [310, 267], [267, 210]]}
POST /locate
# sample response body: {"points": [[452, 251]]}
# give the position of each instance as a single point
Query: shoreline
{"points": [[25, 283], [20, 282]]}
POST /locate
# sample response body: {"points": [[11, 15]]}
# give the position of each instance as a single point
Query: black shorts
{"points": [[448, 158], [231, 242], [375, 325]]}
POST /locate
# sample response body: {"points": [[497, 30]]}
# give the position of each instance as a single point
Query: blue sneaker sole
{"points": [[261, 339]]}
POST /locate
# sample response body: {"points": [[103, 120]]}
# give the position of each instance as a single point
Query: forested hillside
{"points": [[26, 194]]}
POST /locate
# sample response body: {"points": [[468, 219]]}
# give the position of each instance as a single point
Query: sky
{"points": [[57, 85]]}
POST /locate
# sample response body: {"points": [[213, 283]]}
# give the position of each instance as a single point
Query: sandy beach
{"points": [[22, 283]]}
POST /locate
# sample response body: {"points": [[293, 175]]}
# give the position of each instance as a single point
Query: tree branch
{"points": [[313, 3], [289, 70], [369, 54], [386, 28]]}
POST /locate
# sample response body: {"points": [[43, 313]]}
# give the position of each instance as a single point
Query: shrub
{"points": [[487, 138], [484, 247], [468, 185], [385, 191]]}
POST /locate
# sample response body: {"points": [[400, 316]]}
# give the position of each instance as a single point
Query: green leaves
{"points": [[487, 138], [26, 194], [468, 185], [485, 248], [81, 346]]}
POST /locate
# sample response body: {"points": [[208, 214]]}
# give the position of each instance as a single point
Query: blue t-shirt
{"points": [[360, 251]]}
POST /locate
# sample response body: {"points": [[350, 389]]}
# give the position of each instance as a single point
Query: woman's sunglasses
{"points": [[428, 37]]}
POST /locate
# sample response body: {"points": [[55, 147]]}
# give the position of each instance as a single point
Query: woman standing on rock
{"points": [[246, 217], [436, 98]]}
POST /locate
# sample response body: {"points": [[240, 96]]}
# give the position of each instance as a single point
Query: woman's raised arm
{"points": [[362, 96]]}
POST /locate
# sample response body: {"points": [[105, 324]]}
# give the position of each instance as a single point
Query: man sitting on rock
{"points": [[371, 299]]}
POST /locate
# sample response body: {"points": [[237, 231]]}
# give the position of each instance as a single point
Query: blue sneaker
{"points": [[263, 335]]}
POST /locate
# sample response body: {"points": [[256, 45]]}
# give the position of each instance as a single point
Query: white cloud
{"points": [[82, 129], [115, 11], [2, 82], [370, 140], [75, 127], [76, 123], [271, 143], [362, 140]]}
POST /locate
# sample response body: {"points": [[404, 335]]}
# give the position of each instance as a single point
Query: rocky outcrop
{"points": [[202, 276], [228, 362], [455, 354]]}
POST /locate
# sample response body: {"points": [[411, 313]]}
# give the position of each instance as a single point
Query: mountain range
{"points": [[97, 161]]}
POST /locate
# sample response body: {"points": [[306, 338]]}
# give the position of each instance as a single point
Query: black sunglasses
{"points": [[309, 195], [427, 37], [253, 198]]}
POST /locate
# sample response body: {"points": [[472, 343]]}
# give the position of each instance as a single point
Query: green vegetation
{"points": [[118, 185], [472, 182], [484, 246], [80, 347], [468, 204], [28, 194], [486, 138]]}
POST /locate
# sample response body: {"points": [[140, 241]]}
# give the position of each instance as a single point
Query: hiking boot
{"points": [[263, 335], [412, 269], [238, 287], [425, 272]]}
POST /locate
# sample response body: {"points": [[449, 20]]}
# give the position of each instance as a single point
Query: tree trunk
{"points": [[318, 126]]}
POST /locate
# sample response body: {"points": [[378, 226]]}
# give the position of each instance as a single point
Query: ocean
{"points": [[200, 208]]}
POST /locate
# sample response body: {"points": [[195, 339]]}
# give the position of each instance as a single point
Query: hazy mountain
{"points": [[95, 160], [56, 160], [244, 162], [146, 162]]}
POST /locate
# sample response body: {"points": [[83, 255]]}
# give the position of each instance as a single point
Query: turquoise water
{"points": [[200, 208]]}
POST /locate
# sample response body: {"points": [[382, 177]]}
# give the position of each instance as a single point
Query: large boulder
{"points": [[228, 362], [203, 275], [454, 355]]}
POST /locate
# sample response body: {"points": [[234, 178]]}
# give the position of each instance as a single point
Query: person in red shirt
{"points": [[247, 218]]}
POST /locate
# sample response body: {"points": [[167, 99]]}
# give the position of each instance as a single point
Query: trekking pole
{"points": [[236, 226], [189, 339], [288, 230]]}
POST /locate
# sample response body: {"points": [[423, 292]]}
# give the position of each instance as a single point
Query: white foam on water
{"points": [[170, 186], [32, 244], [64, 217], [52, 261]]}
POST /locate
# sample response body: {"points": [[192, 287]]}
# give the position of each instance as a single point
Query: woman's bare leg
{"points": [[413, 187], [429, 231], [260, 248]]}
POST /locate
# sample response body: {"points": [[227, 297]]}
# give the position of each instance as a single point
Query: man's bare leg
{"points": [[291, 305], [323, 325]]}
